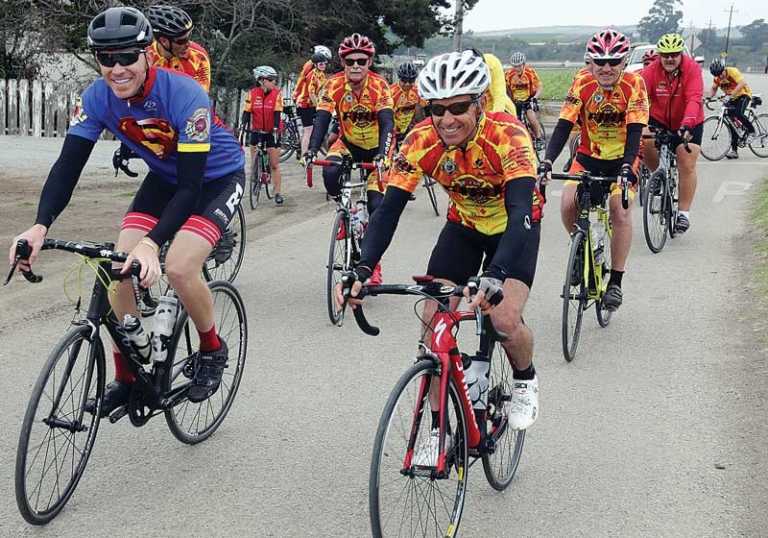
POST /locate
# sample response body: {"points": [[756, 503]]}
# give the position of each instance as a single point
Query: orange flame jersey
{"points": [[605, 114], [316, 85], [197, 64], [301, 95], [405, 106], [728, 80], [357, 113], [501, 151], [523, 86]]}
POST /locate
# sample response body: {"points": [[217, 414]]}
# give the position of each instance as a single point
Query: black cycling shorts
{"points": [[697, 131], [269, 139], [217, 203], [307, 116], [460, 253]]}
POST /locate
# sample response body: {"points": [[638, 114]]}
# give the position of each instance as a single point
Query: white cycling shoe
{"points": [[427, 452], [523, 407]]}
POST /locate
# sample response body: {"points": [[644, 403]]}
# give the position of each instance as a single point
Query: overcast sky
{"points": [[508, 14]]}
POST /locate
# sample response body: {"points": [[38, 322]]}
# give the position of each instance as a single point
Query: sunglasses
{"points": [[349, 62], [270, 79], [110, 59], [669, 54], [181, 40], [613, 62], [456, 109]]}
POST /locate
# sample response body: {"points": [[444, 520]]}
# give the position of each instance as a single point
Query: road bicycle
{"points": [[429, 184], [290, 140], [261, 172], [533, 105], [409, 495], [348, 227], [720, 130], [660, 207], [589, 260], [58, 433]]}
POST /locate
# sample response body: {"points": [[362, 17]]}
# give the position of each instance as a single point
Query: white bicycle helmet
{"points": [[264, 71], [322, 51], [452, 74]]}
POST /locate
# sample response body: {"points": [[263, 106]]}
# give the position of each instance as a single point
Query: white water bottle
{"points": [[362, 212], [165, 319], [137, 337], [598, 241], [476, 378]]}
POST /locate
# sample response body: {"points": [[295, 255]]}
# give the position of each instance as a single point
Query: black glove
{"points": [[627, 175], [534, 104], [309, 157], [686, 133], [362, 273], [120, 159], [492, 288], [380, 159]]}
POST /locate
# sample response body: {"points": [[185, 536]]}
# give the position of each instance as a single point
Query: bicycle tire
{"points": [[228, 324], [338, 262], [603, 314], [429, 184], [289, 142], [75, 337], [574, 293], [655, 216], [266, 174], [642, 183], [236, 235], [714, 151], [760, 146], [388, 458], [500, 466], [670, 207]]}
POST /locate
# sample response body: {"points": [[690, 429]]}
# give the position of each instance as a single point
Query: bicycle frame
{"points": [[584, 224]]}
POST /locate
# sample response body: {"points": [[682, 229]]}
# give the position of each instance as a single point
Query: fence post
{"points": [[61, 114], [50, 110], [2, 106], [37, 108], [24, 107], [13, 118], [233, 108]]}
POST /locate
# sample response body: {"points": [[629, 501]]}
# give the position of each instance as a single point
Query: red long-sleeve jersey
{"points": [[675, 98]]}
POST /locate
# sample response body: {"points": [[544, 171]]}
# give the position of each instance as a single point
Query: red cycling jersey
{"points": [[675, 98], [262, 107]]}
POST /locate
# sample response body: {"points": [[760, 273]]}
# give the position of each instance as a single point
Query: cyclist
{"points": [[675, 89], [486, 163], [261, 110], [524, 87], [649, 56], [303, 96], [363, 104], [189, 196], [612, 106], [495, 98], [733, 84], [408, 106]]}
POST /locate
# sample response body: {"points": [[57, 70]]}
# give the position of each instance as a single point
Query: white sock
{"points": [[685, 214]]}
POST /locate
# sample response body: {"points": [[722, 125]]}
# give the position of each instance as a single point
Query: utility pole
{"points": [[458, 25], [728, 33]]}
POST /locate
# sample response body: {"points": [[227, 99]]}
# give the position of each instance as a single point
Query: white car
{"points": [[635, 61]]}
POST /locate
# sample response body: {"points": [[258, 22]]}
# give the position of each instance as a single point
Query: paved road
{"points": [[658, 428]]}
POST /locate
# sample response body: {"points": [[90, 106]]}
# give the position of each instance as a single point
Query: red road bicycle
{"points": [[413, 495]]}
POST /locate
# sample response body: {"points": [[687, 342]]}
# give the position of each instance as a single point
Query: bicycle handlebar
{"points": [[325, 162], [664, 136], [588, 178]]}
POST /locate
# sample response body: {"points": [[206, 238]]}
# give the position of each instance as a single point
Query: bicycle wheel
{"points": [[225, 259], [716, 140], [655, 214], [57, 435], [574, 296], [759, 145], [412, 500], [670, 206], [339, 260], [500, 466], [266, 175], [254, 182], [192, 422], [642, 183], [289, 142], [602, 313], [429, 184]]}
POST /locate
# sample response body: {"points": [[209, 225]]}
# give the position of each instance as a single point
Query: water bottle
{"points": [[362, 213], [476, 378], [137, 338], [165, 319], [598, 241], [354, 219]]}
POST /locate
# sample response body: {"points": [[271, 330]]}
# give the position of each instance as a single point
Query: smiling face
{"points": [[456, 129], [125, 80], [607, 75]]}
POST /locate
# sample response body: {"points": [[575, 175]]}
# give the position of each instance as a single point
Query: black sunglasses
{"points": [[181, 40], [270, 79], [669, 54], [349, 62], [613, 62], [456, 109], [110, 59]]}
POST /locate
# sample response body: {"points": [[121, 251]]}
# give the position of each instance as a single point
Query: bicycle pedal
{"points": [[118, 413]]}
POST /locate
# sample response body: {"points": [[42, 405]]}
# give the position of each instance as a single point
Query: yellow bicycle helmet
{"points": [[670, 43]]}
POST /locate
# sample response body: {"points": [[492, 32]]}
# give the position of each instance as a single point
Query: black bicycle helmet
{"points": [[119, 28], [407, 72], [717, 67], [169, 21]]}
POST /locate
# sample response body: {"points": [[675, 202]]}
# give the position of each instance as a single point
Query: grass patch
{"points": [[556, 82], [760, 217]]}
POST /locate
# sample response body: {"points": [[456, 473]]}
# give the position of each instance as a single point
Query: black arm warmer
{"points": [[276, 119], [245, 121], [558, 139], [382, 226], [632, 146], [63, 178], [518, 199], [190, 171], [386, 127], [319, 129]]}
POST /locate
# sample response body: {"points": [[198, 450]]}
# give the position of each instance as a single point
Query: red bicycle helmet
{"points": [[649, 56], [608, 44], [356, 43]]}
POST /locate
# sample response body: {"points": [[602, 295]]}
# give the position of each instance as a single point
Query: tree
{"points": [[755, 34], [18, 46], [663, 18]]}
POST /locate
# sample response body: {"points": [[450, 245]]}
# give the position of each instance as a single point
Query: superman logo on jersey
{"points": [[155, 134]]}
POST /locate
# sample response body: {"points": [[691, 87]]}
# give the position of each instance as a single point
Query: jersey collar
{"points": [[146, 88]]}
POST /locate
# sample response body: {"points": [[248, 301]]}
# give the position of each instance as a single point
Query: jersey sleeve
{"points": [[203, 70], [192, 120], [85, 122], [735, 75], [326, 100], [385, 98], [573, 103], [279, 101], [516, 154], [535, 82], [247, 102], [637, 107], [406, 173]]}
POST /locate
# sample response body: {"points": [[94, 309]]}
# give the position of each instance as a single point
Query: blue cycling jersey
{"points": [[173, 116]]}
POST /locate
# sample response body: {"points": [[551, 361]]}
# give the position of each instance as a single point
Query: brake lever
{"points": [[23, 252]]}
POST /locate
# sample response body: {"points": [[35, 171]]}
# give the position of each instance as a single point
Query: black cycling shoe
{"points": [[115, 394], [613, 298], [411, 197], [682, 224], [279, 199], [209, 367]]}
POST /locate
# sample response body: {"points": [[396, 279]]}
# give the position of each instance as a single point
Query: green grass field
{"points": [[556, 82]]}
